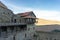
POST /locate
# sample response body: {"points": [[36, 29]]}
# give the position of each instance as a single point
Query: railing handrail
{"points": [[5, 24]]}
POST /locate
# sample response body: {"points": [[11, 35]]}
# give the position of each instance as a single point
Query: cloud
{"points": [[46, 14]]}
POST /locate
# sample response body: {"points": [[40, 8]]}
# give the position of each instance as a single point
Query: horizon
{"points": [[46, 9]]}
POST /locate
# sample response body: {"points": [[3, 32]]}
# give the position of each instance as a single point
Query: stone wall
{"points": [[5, 15], [48, 36]]}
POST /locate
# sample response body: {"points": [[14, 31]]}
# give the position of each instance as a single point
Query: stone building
{"points": [[16, 26], [30, 20], [48, 32]]}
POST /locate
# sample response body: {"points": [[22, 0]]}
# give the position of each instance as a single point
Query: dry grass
{"points": [[46, 22]]}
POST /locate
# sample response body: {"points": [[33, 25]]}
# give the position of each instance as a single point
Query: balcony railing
{"points": [[9, 24]]}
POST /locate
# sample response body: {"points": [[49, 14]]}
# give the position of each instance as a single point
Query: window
{"points": [[28, 29], [25, 34], [4, 12], [12, 28], [14, 20], [54, 39], [46, 38], [0, 32], [8, 13], [4, 28], [20, 20], [28, 20], [50, 38], [33, 27]]}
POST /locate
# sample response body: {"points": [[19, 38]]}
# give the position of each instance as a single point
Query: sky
{"points": [[46, 9]]}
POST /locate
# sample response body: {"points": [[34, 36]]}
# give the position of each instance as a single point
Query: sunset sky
{"points": [[47, 9]]}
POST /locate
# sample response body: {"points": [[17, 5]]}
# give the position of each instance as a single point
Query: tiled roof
{"points": [[25, 14], [29, 17]]}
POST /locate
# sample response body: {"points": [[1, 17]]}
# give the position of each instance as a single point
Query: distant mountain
{"points": [[46, 22]]}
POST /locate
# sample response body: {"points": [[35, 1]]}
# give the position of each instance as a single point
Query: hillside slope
{"points": [[46, 22]]}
